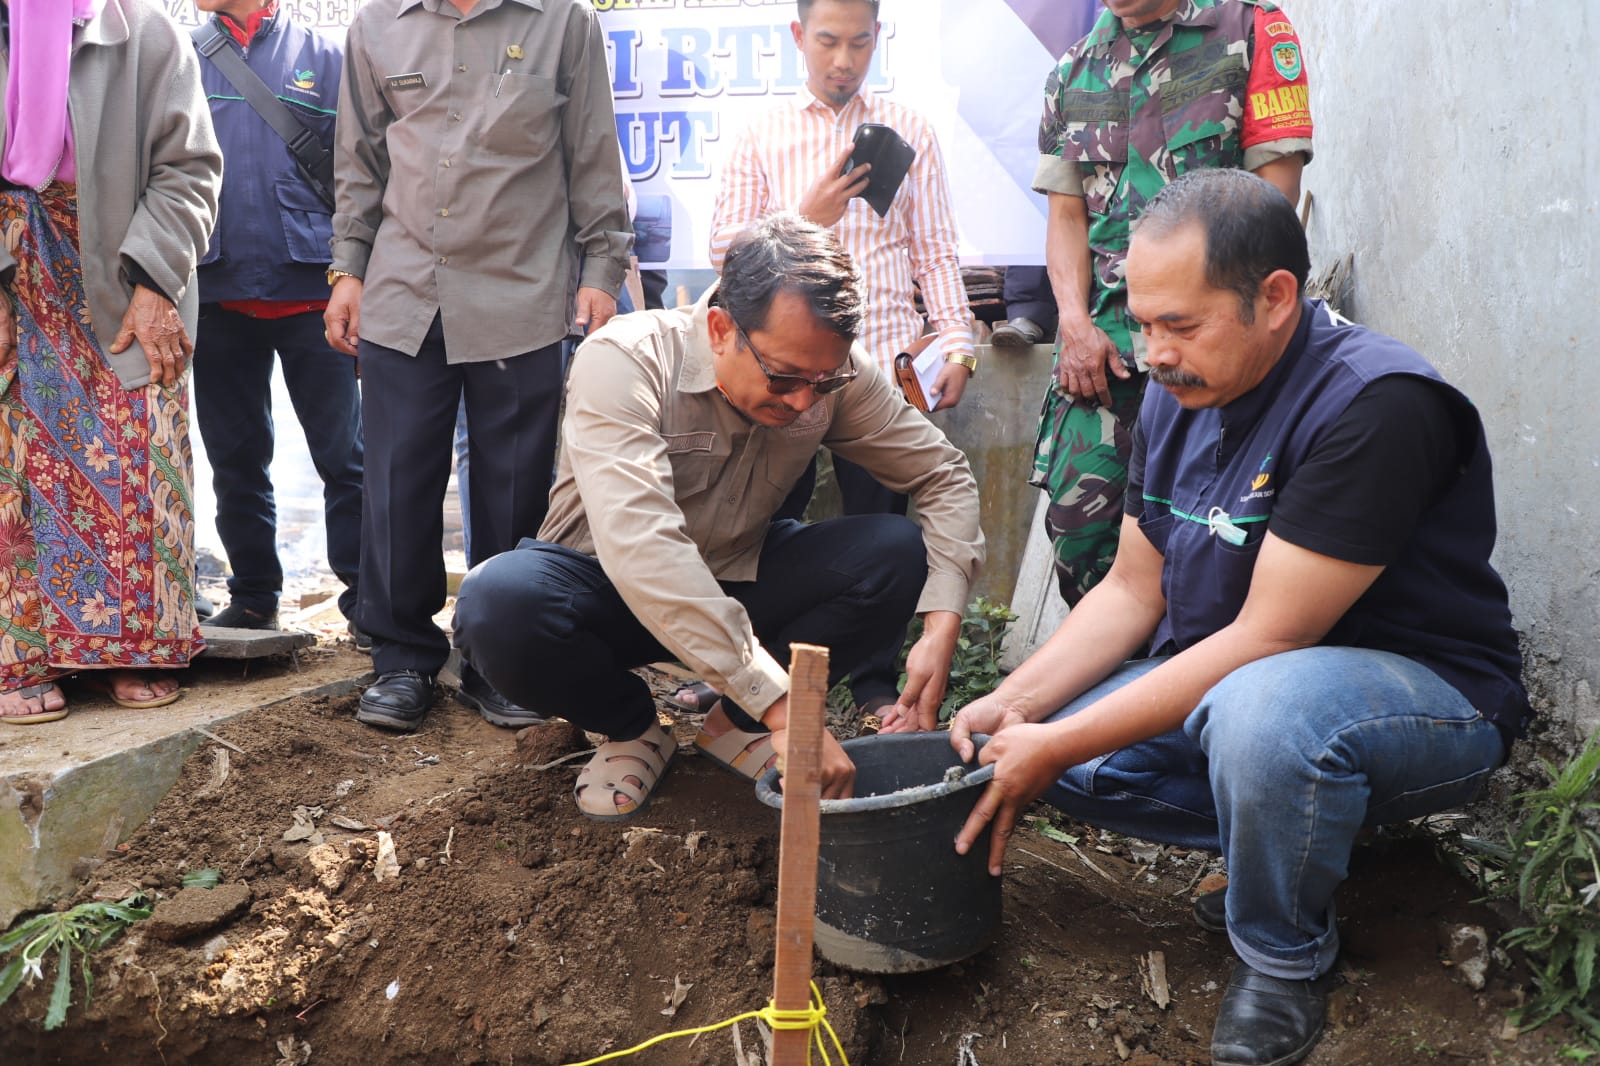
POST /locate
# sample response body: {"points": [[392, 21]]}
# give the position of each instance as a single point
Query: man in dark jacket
{"points": [[1304, 575], [263, 289]]}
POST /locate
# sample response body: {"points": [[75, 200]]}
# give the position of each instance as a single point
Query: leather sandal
{"points": [[747, 754], [39, 717], [701, 698], [626, 768]]}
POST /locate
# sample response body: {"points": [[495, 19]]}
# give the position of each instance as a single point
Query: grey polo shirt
{"points": [[477, 171]]}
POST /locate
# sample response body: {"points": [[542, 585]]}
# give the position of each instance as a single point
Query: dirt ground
{"points": [[519, 932]]}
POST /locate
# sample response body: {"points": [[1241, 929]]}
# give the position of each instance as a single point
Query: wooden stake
{"points": [[797, 854]]}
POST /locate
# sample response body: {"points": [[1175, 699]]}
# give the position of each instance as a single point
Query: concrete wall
{"points": [[1457, 159]]}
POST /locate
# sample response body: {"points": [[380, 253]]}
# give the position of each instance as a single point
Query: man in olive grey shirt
{"points": [[481, 217], [685, 431]]}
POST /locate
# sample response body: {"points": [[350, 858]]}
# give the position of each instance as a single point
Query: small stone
{"points": [[197, 910]]}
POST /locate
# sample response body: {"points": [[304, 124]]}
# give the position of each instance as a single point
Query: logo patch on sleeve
{"points": [[1286, 59]]}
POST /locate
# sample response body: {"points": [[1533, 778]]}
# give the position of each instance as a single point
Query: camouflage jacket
{"points": [[1127, 112]]}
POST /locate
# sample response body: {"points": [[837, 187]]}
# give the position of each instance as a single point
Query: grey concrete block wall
{"points": [[1458, 158]]}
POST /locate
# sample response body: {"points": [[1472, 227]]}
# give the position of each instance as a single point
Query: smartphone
{"points": [[890, 157]]}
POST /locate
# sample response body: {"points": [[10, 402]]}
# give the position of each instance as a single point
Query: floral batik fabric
{"points": [[96, 519]]}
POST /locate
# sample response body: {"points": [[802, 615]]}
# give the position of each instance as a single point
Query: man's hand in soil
{"points": [[825, 201], [927, 676], [838, 772]]}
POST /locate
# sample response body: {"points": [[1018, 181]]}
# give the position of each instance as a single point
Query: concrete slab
{"points": [[996, 425], [223, 642], [70, 791], [1038, 604]]}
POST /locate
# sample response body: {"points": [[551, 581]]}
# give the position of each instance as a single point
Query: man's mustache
{"points": [[1176, 379]]}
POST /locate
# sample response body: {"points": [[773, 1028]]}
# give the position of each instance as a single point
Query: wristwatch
{"points": [[335, 275], [968, 361]]}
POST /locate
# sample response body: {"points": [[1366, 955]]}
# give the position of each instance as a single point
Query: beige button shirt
{"points": [[673, 490], [476, 158]]}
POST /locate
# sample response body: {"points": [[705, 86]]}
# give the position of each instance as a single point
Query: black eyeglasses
{"points": [[784, 384]]}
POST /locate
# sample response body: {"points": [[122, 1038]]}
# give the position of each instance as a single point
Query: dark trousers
{"points": [[233, 406], [1028, 295], [878, 676], [551, 633], [409, 408]]}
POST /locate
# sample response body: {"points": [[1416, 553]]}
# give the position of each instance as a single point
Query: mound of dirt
{"points": [[518, 931]]}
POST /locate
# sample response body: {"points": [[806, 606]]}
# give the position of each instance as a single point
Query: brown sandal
{"points": [[615, 768]]}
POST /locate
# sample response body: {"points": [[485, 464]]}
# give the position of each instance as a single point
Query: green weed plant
{"points": [[1554, 874], [77, 933], [975, 667]]}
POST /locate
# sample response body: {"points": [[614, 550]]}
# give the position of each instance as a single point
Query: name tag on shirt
{"points": [[406, 81]]}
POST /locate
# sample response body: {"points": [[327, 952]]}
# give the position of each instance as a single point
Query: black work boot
{"points": [[1269, 1021]]}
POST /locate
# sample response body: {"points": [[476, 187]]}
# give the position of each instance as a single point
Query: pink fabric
{"points": [[38, 135]]}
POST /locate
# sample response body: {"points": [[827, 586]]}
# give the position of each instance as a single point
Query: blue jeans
{"points": [[1279, 767], [233, 361]]}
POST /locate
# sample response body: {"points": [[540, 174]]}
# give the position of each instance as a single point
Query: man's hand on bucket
{"points": [[838, 772], [1025, 765]]}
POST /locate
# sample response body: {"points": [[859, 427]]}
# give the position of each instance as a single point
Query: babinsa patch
{"points": [[1286, 59]]}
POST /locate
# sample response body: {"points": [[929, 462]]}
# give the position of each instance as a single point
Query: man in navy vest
{"points": [[1304, 564], [263, 288]]}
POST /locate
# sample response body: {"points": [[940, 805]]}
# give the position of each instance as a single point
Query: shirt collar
{"points": [[699, 371], [1247, 409], [434, 6], [1189, 13], [805, 99]]}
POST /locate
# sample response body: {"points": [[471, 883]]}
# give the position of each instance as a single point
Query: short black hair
{"points": [[1250, 228], [783, 252], [805, 7]]}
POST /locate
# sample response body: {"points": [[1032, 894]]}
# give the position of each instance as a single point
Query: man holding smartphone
{"points": [[794, 157]]}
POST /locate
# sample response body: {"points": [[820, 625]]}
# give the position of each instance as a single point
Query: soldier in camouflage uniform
{"points": [[1157, 88]]}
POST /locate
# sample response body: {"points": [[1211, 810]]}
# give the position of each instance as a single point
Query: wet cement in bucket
{"points": [[892, 894]]}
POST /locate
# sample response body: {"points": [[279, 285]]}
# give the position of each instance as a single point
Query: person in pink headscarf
{"points": [[109, 177]]}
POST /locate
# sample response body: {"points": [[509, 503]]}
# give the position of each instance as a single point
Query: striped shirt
{"points": [[779, 157]]}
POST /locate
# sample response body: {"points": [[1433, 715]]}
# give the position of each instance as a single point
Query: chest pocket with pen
{"points": [[521, 114]]}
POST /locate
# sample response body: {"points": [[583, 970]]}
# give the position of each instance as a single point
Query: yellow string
{"points": [[810, 1018]]}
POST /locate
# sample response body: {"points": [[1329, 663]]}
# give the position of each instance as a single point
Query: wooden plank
{"points": [[797, 855]]}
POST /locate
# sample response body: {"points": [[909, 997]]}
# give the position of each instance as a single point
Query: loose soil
{"points": [[518, 931]]}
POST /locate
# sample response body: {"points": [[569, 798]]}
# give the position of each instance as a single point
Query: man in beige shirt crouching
{"points": [[684, 432]]}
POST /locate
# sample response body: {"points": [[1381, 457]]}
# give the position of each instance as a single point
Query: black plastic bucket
{"points": [[892, 894]]}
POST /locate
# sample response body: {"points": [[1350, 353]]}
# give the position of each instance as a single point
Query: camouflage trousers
{"points": [[1081, 460]]}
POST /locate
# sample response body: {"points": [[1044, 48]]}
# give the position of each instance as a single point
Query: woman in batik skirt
{"points": [[110, 173]]}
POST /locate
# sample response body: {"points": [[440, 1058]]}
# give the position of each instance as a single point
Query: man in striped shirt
{"points": [[793, 158]]}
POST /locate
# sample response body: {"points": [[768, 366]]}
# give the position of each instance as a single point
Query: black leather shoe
{"points": [[1268, 1021], [1211, 911], [397, 700], [1018, 333], [237, 616], [360, 638], [481, 696]]}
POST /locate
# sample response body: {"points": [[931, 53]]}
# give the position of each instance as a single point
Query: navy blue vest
{"points": [[271, 240], [1440, 603]]}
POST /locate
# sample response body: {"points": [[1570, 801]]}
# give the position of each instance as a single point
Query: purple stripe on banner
{"points": [[1058, 24]]}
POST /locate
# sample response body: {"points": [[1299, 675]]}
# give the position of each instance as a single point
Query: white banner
{"points": [[687, 75]]}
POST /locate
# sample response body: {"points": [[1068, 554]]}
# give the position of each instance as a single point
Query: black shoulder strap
{"points": [[315, 161]]}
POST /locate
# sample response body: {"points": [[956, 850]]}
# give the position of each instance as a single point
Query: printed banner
{"points": [[687, 75]]}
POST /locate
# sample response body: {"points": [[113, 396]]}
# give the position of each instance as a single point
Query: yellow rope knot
{"points": [[812, 1018]]}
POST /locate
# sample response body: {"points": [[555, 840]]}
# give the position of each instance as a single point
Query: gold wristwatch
{"points": [[968, 361], [335, 275]]}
